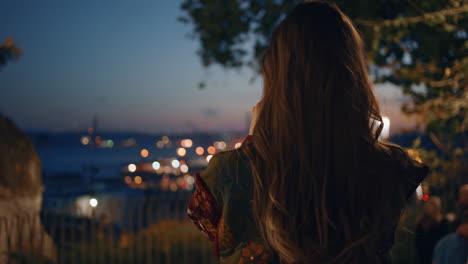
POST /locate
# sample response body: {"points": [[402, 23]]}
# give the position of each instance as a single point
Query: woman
{"points": [[431, 227], [312, 184]]}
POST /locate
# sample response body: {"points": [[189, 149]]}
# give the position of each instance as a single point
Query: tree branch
{"points": [[414, 20]]}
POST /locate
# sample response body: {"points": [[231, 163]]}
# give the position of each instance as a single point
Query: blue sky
{"points": [[128, 62]]}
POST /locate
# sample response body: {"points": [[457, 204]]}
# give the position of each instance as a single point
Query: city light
{"points": [[160, 144], [130, 142], [93, 202], [199, 151], [110, 143], [181, 152], [156, 165], [180, 182], [211, 150], [128, 179], [425, 197], [184, 168], [167, 169], [138, 179], [208, 158], [132, 167], [220, 145], [175, 164], [84, 140], [165, 139], [190, 180], [186, 143], [238, 145], [173, 187], [144, 153]]}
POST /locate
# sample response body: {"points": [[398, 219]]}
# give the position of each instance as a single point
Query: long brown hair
{"points": [[318, 124]]}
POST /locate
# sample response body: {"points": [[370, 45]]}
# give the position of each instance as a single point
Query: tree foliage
{"points": [[8, 51], [419, 45]]}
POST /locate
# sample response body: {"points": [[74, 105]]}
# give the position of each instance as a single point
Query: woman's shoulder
{"points": [[223, 158], [222, 168], [227, 158], [408, 171], [408, 166], [229, 162]]}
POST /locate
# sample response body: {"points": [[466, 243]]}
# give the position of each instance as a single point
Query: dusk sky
{"points": [[128, 62]]}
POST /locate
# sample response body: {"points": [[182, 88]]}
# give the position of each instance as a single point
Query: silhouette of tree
{"points": [[8, 51]]}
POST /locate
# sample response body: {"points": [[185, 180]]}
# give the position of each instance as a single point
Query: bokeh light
{"points": [[93, 202], [181, 152], [84, 140], [175, 163], [138, 179], [184, 168], [425, 197], [186, 143], [132, 167], [156, 165], [128, 179], [220, 145], [211, 150], [167, 169], [190, 179], [144, 153], [160, 144], [199, 151]]}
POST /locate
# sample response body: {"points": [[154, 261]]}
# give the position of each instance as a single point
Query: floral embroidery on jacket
{"points": [[254, 254], [204, 212], [225, 238]]}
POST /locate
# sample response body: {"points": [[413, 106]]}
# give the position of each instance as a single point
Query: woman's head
{"points": [[315, 70], [317, 116]]}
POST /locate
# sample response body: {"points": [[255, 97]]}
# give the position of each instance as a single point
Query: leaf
{"points": [[417, 142], [201, 85]]}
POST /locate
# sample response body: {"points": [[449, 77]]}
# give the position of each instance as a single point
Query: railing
{"points": [[142, 230], [149, 230]]}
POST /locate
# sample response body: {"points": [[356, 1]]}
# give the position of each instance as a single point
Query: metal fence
{"points": [[142, 230], [147, 229]]}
